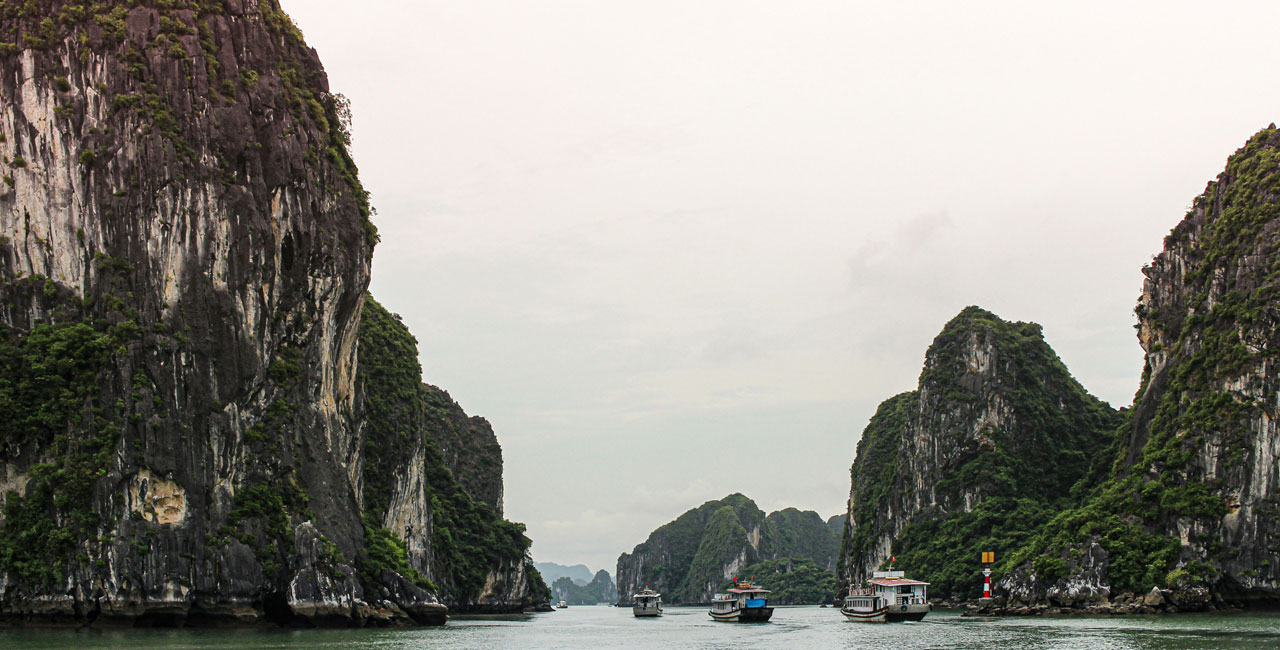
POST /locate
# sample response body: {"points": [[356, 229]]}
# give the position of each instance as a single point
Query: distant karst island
{"points": [[688, 560]]}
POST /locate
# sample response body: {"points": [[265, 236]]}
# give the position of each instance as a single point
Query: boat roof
{"points": [[895, 582], [646, 594], [749, 590]]}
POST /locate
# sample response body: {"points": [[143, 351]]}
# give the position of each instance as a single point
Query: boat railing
{"points": [[909, 600]]}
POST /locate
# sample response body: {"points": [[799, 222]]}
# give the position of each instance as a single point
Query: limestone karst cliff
{"points": [[447, 515], [691, 558], [186, 248], [1192, 505], [993, 442]]}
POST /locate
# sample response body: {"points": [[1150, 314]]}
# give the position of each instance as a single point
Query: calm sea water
{"points": [[690, 627]]}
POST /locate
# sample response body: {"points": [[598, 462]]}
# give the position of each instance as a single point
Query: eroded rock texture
{"points": [[433, 478], [1205, 418], [185, 250], [988, 448], [1191, 504]]}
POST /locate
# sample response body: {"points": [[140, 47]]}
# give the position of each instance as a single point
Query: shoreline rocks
{"points": [[1156, 601]]}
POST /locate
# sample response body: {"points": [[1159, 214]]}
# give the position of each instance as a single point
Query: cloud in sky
{"points": [[693, 245]]}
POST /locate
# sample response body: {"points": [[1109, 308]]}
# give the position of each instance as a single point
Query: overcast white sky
{"points": [[674, 250]]}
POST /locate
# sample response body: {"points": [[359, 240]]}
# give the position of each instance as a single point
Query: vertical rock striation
{"points": [[1205, 418], [443, 511], [987, 448], [1191, 505], [186, 248], [182, 225]]}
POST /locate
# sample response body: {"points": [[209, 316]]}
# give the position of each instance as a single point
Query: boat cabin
{"points": [[887, 588], [741, 597], [647, 598]]}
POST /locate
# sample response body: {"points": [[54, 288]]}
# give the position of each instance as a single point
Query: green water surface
{"points": [[690, 627]]}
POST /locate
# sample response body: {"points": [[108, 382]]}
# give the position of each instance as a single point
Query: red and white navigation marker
{"points": [[987, 558]]}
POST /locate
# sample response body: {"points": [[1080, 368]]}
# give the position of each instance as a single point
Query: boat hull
{"points": [[744, 615], [891, 614], [646, 611]]}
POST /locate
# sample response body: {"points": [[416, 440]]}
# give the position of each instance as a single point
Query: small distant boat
{"points": [[745, 603], [648, 603], [889, 597], [562, 605]]}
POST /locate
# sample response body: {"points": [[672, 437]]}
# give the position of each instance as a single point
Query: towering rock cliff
{"points": [[688, 560], [1192, 505], [185, 248], [447, 516], [991, 445]]}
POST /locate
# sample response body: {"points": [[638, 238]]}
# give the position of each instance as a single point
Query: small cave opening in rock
{"points": [[275, 607]]}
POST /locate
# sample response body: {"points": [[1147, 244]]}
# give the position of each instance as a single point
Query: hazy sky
{"points": [[675, 250]]}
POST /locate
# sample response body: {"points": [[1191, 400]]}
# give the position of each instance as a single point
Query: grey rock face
{"points": [[996, 414], [1196, 470], [1086, 586], [456, 540], [1209, 322], [178, 197]]}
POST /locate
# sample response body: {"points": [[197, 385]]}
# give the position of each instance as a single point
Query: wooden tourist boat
{"points": [[887, 597]]}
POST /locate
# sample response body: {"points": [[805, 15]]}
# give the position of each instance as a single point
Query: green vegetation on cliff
{"points": [[1208, 325], [469, 537], [803, 533], [1057, 426], [1171, 494], [188, 417], [51, 396], [688, 559], [1015, 434], [599, 590], [790, 580], [724, 539], [874, 473], [682, 541]]}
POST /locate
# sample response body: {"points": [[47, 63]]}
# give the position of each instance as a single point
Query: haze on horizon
{"points": [[678, 250]]}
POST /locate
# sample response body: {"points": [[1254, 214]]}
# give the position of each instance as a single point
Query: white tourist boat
{"points": [[562, 605], [648, 603], [887, 597], [745, 603]]}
